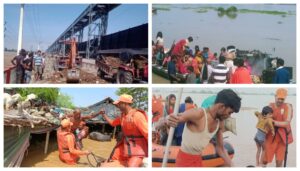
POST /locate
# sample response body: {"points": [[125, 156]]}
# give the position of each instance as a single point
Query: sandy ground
{"points": [[37, 158], [8, 56], [59, 77]]}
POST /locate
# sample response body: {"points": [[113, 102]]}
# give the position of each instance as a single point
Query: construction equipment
{"points": [[124, 69], [72, 63]]}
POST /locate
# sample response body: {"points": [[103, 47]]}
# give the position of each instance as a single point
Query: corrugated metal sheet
{"points": [[16, 142], [111, 110]]}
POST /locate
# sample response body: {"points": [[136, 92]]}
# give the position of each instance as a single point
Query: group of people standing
{"points": [[28, 62]]}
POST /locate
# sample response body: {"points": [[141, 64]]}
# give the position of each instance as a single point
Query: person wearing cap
{"points": [[230, 56], [282, 116], [201, 125], [264, 125], [78, 128], [69, 153], [133, 147], [18, 62]]}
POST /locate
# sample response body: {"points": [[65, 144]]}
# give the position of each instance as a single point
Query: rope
{"points": [[98, 160]]}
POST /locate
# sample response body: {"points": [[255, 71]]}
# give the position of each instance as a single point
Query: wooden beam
{"points": [[47, 142]]}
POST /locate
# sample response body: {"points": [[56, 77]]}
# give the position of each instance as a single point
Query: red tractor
{"points": [[125, 69]]}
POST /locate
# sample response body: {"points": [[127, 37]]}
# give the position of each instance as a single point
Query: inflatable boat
{"points": [[209, 155]]}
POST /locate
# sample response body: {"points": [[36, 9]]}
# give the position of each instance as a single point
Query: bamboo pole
{"points": [[171, 132]]}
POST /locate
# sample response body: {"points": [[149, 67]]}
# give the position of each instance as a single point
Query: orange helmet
{"points": [[126, 98], [66, 123], [281, 93]]}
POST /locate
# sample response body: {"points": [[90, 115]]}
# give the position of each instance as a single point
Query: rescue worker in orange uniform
{"points": [[282, 116], [79, 129], [68, 152], [134, 144]]}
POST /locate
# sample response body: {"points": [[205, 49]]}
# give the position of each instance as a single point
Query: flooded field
{"points": [[243, 143]]}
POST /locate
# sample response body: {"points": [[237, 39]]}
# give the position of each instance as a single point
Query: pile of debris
{"points": [[115, 62], [30, 117], [141, 62], [59, 77], [112, 61], [30, 112], [88, 78], [53, 76]]}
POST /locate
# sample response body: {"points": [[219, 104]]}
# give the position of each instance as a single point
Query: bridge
{"points": [[95, 17], [89, 29]]}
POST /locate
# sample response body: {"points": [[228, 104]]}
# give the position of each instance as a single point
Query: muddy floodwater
{"points": [[37, 158], [268, 28]]}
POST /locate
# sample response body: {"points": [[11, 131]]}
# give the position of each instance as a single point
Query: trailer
{"points": [[123, 67]]}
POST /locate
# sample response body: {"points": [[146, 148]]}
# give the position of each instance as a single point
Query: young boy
{"points": [[264, 125]]}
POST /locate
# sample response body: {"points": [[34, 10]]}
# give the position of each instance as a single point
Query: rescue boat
{"points": [[209, 155]]}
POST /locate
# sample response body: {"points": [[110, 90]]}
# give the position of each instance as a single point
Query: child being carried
{"points": [[264, 125]]}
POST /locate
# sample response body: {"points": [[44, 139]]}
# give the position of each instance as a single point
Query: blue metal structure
{"points": [[95, 17]]}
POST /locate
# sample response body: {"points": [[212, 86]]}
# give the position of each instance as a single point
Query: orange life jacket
{"points": [[64, 153], [189, 106], [135, 144], [157, 108], [281, 114]]}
